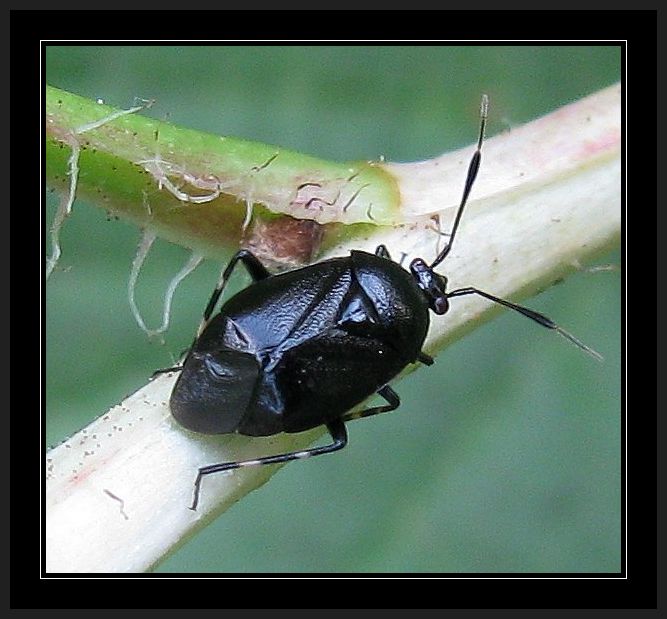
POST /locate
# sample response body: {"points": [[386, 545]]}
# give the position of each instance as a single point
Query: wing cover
{"points": [[214, 389]]}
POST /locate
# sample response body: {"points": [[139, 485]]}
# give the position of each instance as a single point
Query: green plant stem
{"points": [[194, 188]]}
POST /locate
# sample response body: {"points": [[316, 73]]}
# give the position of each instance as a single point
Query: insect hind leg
{"points": [[338, 434], [393, 402]]}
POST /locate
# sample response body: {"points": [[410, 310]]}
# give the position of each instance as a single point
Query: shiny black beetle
{"points": [[301, 349]]}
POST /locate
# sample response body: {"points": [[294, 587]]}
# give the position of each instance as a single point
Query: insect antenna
{"points": [[540, 319], [473, 168]]}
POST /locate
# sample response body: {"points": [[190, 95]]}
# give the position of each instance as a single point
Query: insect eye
{"points": [[440, 305]]}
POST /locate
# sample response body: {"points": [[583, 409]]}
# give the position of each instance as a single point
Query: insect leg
{"points": [[173, 368], [425, 359], [382, 252], [252, 264], [393, 402], [338, 434], [540, 319]]}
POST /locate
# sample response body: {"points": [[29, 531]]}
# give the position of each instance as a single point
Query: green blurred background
{"points": [[504, 456]]}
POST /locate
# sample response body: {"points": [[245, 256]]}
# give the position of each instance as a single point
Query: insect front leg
{"points": [[382, 252]]}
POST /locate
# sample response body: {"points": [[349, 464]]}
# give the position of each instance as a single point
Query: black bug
{"points": [[301, 349]]}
